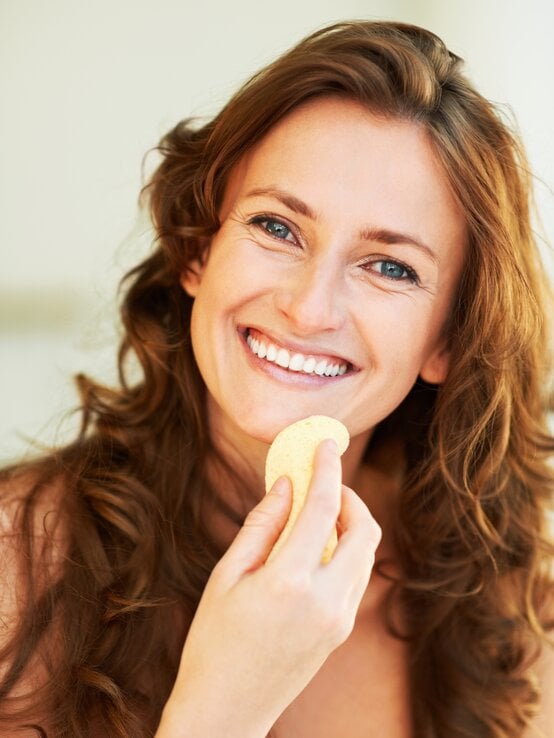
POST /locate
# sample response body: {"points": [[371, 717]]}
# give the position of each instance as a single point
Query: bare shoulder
{"points": [[32, 544], [544, 671], [544, 719], [31, 505], [31, 537]]}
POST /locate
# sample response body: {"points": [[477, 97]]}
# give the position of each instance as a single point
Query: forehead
{"points": [[351, 165]]}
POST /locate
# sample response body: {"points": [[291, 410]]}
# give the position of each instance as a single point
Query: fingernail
{"points": [[331, 445]]}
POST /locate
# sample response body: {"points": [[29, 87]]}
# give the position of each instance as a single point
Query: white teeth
{"points": [[283, 358], [295, 362], [320, 367]]}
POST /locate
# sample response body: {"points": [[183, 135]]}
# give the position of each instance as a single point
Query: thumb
{"points": [[261, 529]]}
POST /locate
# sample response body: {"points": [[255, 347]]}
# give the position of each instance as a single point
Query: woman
{"points": [[349, 236]]}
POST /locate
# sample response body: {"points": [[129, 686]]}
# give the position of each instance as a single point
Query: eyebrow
{"points": [[379, 235], [290, 201]]}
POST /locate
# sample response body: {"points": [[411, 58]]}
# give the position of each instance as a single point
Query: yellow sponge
{"points": [[292, 455]]}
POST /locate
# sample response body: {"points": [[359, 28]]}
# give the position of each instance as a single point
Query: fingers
{"points": [[260, 530], [329, 504], [355, 553], [318, 517]]}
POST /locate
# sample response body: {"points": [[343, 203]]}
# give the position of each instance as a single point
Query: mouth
{"points": [[287, 358]]}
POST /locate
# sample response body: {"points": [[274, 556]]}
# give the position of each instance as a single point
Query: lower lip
{"points": [[287, 376]]}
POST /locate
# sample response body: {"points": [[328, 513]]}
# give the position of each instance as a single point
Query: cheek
{"points": [[399, 334], [228, 282], [235, 269]]}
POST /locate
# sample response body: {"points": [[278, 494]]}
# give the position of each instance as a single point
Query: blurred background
{"points": [[87, 88]]}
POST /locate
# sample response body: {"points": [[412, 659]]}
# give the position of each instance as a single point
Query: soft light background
{"points": [[86, 88]]}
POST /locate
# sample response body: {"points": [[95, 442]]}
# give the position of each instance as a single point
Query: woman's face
{"points": [[326, 288]]}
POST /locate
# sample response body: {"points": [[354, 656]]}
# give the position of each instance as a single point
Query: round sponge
{"points": [[292, 455]]}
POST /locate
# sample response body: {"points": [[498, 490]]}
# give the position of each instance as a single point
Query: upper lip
{"points": [[286, 343]]}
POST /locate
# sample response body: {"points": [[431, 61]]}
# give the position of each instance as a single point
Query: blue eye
{"points": [[273, 227], [395, 271], [277, 229], [392, 270]]}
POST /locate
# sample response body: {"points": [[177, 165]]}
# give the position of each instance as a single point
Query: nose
{"points": [[311, 299]]}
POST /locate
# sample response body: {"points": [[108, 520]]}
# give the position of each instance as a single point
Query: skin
{"points": [[315, 282], [317, 286], [247, 622], [249, 656]]}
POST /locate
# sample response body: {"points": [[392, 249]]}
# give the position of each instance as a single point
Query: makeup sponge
{"points": [[292, 455]]}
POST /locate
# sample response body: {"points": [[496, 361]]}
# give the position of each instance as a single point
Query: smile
{"points": [[294, 361]]}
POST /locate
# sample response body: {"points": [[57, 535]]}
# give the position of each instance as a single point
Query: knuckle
{"points": [[295, 587], [374, 532], [337, 624], [371, 529]]}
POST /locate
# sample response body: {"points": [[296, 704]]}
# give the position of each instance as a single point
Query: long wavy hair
{"points": [[108, 587]]}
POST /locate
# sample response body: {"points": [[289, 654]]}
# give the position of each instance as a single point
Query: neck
{"points": [[247, 455], [242, 488]]}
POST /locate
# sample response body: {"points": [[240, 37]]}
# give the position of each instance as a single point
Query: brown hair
{"points": [[471, 520]]}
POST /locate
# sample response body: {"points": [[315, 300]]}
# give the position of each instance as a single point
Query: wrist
{"points": [[188, 720]]}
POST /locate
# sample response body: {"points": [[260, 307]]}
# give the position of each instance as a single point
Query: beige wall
{"points": [[88, 88]]}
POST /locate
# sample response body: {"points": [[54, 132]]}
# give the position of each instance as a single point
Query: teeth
{"points": [[283, 358], [294, 362], [320, 367]]}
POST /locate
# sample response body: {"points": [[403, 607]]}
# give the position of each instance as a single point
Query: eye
{"points": [[273, 227], [394, 270]]}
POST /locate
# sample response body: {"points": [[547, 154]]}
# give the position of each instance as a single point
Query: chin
{"points": [[265, 427]]}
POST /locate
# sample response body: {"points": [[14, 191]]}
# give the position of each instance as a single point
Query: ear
{"points": [[435, 367], [191, 277]]}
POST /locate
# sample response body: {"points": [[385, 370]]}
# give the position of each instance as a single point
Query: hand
{"points": [[262, 631]]}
